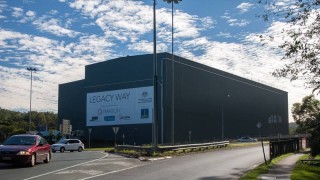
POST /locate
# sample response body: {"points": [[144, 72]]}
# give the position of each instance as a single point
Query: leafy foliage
{"points": [[302, 40], [305, 171], [12, 122], [307, 116], [293, 127]]}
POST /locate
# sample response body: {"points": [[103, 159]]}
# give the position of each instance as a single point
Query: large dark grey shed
{"points": [[208, 104]]}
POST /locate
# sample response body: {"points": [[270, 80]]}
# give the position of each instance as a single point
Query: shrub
{"points": [[315, 146]]}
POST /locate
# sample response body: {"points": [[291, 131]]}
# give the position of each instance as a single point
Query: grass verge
{"points": [[134, 153], [244, 144], [306, 171], [263, 168]]}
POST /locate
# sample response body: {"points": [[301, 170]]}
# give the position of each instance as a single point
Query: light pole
{"points": [[222, 117], [176, 2], [31, 69], [172, 33], [155, 82]]}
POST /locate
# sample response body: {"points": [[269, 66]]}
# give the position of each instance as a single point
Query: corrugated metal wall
{"points": [[202, 95]]}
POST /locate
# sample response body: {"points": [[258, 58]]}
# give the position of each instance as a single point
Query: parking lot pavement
{"points": [[111, 163]]}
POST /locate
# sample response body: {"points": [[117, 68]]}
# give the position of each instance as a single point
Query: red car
{"points": [[25, 149]]}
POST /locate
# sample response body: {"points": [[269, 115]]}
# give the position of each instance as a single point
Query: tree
{"points": [[293, 128], [307, 116], [40, 119], [52, 120], [12, 122], [302, 43]]}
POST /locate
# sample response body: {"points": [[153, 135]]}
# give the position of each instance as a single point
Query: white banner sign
{"points": [[125, 106]]}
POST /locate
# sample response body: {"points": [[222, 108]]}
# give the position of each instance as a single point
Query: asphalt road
{"points": [[222, 164], [58, 161]]}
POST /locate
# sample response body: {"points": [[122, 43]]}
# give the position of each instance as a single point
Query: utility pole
{"points": [[155, 82], [172, 60], [31, 69]]}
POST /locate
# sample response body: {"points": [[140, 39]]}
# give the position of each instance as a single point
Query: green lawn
{"points": [[306, 171], [244, 144]]}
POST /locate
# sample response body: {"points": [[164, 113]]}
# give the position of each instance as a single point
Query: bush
{"points": [[315, 146]]}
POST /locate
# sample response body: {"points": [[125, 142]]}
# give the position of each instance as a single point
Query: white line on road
{"points": [[110, 172], [66, 168]]}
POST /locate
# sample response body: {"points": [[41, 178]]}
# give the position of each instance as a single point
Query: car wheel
{"points": [[32, 160], [62, 149], [80, 149], [47, 160], [53, 151]]}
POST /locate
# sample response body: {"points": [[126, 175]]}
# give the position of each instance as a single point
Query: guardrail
{"points": [[182, 147], [310, 161]]}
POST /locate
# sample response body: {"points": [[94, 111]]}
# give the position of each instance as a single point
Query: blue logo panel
{"points": [[109, 118], [144, 113]]}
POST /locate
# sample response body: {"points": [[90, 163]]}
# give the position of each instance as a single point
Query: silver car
{"points": [[247, 139], [68, 145]]}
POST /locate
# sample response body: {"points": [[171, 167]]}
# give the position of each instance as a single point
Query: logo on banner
{"points": [[144, 94], [144, 113], [124, 117], [144, 98], [109, 118], [94, 118]]}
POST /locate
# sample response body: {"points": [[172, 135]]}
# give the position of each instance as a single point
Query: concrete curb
{"points": [[153, 158], [142, 158]]}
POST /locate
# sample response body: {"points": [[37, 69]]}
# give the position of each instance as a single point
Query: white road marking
{"points": [[107, 163], [110, 172], [114, 159], [65, 168], [90, 172]]}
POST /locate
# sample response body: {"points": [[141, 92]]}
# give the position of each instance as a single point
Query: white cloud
{"points": [[127, 20], [88, 24], [185, 25], [53, 12], [244, 7], [207, 22], [3, 6], [224, 34], [53, 26], [147, 46], [240, 23], [17, 12], [23, 17], [31, 14], [143, 46], [235, 22], [56, 61]]}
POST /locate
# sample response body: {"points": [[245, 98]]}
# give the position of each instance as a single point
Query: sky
{"points": [[60, 37]]}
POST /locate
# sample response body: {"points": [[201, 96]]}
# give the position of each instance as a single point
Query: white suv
{"points": [[68, 145]]}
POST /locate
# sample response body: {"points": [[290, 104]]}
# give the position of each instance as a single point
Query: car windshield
{"points": [[63, 141], [20, 140]]}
